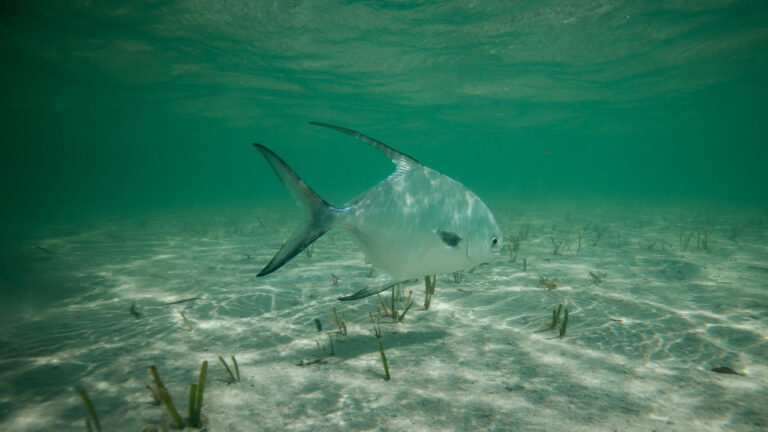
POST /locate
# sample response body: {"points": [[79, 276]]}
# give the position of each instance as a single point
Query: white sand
{"points": [[637, 355]]}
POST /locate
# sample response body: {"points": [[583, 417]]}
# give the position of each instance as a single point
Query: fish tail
{"points": [[322, 218]]}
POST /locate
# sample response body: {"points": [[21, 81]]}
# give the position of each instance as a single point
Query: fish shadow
{"points": [[353, 346]]}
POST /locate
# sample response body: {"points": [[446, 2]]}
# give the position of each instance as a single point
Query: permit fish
{"points": [[414, 223]]}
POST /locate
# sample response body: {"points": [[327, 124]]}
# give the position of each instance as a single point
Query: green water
{"points": [[115, 107], [121, 122]]}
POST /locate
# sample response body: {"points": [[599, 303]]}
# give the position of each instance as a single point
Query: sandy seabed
{"points": [[658, 296]]}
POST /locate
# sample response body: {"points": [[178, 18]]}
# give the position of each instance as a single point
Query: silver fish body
{"points": [[398, 225], [416, 222]]}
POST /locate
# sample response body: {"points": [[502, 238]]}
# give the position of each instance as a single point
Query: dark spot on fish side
{"points": [[318, 325], [448, 237]]}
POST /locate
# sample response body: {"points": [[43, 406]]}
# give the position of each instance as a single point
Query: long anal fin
{"points": [[371, 290]]}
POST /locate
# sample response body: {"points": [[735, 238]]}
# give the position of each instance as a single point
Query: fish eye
{"points": [[495, 241]]}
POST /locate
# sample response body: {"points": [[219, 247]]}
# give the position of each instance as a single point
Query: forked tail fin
{"points": [[322, 216]]}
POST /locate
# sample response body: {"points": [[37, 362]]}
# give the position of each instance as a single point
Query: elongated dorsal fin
{"points": [[398, 158]]}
